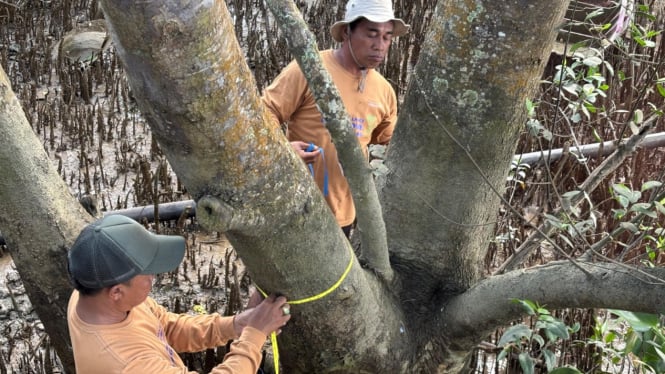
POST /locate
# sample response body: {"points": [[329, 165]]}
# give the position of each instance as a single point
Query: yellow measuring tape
{"points": [[273, 335]]}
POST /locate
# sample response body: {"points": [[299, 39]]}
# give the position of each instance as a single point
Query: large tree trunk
{"points": [[248, 182], [39, 219], [456, 136]]}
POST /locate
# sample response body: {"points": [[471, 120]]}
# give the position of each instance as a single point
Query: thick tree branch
{"points": [[556, 285], [357, 171]]}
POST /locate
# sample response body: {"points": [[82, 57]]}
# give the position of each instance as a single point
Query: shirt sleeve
{"points": [[187, 333], [285, 94], [243, 358], [245, 354], [193, 333], [384, 131]]}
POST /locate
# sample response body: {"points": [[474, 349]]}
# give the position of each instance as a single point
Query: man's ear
{"points": [[346, 33], [115, 292]]}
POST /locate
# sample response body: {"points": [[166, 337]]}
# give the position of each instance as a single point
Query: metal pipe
{"points": [[173, 211], [166, 212], [587, 150]]}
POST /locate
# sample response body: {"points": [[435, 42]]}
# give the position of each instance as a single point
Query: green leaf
{"points": [[618, 213], [558, 329], [640, 41], [575, 327], [638, 321], [565, 239], [539, 339], [565, 370], [661, 89], [638, 116], [514, 334], [576, 117], [530, 108], [609, 68], [633, 342], [526, 363], [645, 209], [622, 190], [550, 359], [609, 337], [592, 61], [598, 11], [650, 184], [529, 306], [630, 227], [659, 207], [572, 88], [503, 354]]}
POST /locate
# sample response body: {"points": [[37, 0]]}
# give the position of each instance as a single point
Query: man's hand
{"points": [[301, 150], [268, 316]]}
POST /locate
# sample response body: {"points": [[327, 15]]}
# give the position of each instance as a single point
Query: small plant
{"points": [[582, 83], [537, 344], [637, 337], [628, 199], [199, 309], [655, 246], [533, 125]]}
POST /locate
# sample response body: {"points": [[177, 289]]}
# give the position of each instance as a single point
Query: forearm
{"points": [[196, 333], [245, 355]]}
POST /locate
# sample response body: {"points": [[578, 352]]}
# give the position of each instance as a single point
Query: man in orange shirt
{"points": [[365, 35], [115, 327]]}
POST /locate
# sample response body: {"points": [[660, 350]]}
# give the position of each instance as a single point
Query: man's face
{"points": [[137, 290], [370, 42]]}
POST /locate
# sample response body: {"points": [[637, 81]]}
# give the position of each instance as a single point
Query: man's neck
{"points": [[96, 311], [344, 58]]}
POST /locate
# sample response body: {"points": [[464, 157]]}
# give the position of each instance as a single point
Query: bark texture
{"points": [[247, 181], [471, 316], [39, 220], [456, 136]]}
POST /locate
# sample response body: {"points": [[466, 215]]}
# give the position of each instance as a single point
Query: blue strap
{"points": [[312, 148]]}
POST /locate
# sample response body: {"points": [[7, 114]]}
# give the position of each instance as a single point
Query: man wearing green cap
{"points": [[365, 35], [115, 327]]}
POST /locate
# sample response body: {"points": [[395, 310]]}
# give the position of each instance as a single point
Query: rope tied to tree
{"points": [[273, 335]]}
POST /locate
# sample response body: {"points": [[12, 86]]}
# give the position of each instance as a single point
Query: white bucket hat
{"points": [[374, 10]]}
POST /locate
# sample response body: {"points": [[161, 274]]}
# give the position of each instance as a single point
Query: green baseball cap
{"points": [[116, 248]]}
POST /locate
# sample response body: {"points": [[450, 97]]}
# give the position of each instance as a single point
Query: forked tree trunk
{"points": [[480, 61]]}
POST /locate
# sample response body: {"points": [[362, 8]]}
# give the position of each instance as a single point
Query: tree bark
{"points": [[39, 219], [456, 136], [248, 182], [472, 316]]}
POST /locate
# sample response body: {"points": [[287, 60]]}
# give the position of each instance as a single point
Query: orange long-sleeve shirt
{"points": [[373, 115], [148, 339]]}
